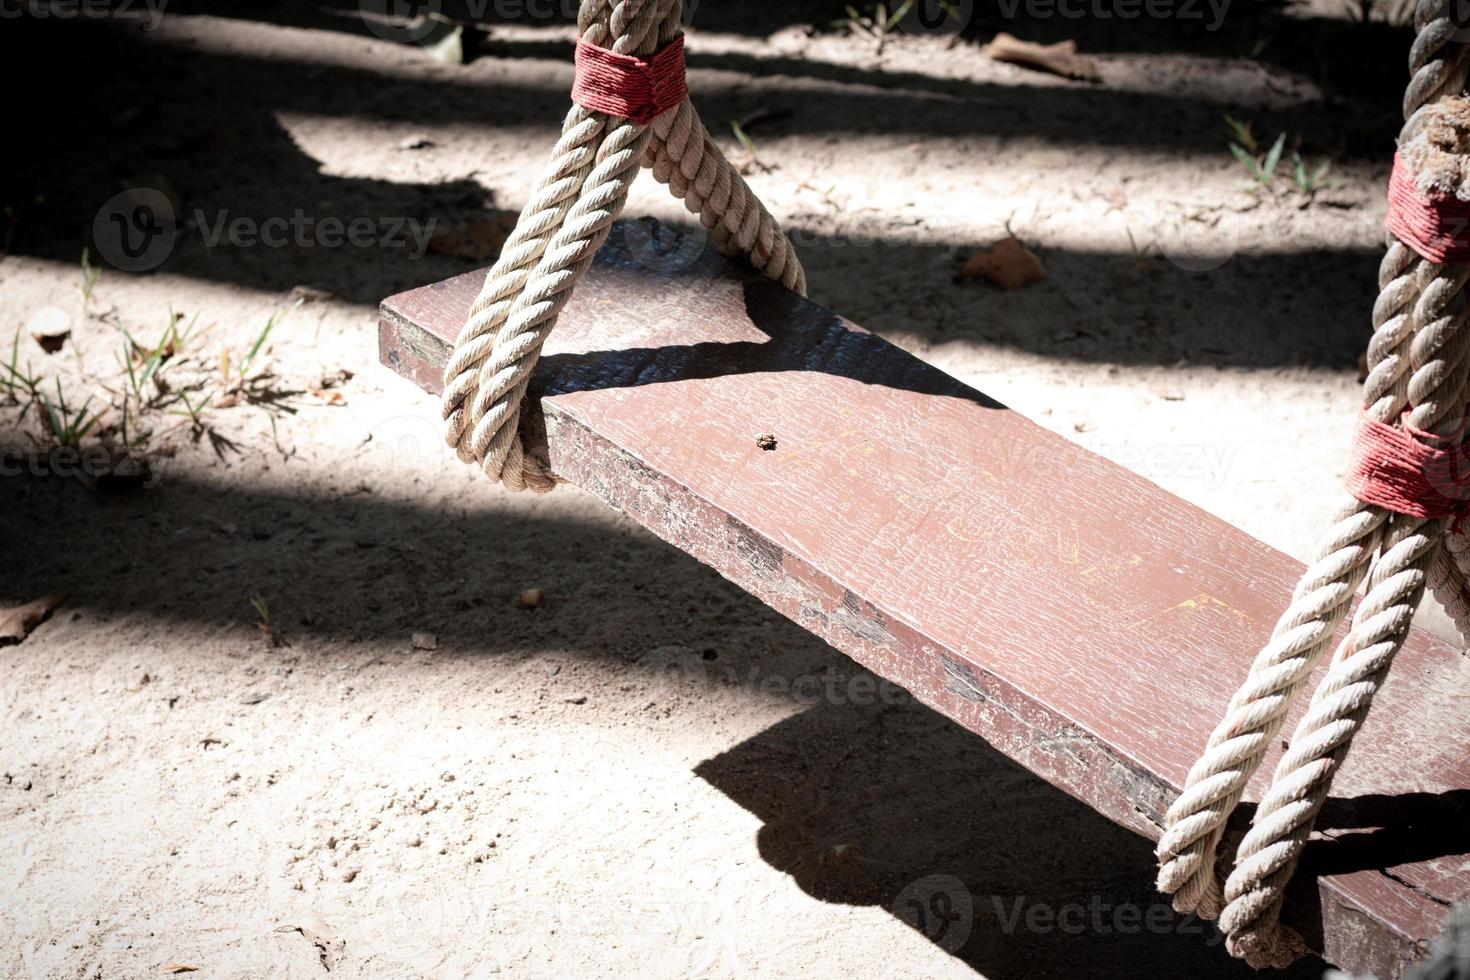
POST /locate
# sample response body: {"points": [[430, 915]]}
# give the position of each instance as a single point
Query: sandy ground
{"points": [[650, 773]]}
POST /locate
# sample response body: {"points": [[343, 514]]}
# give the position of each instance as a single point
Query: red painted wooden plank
{"points": [[1084, 621]]}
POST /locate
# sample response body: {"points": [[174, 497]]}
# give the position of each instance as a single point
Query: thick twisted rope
{"points": [[1415, 327], [561, 228], [683, 156], [1283, 822], [1195, 822]]}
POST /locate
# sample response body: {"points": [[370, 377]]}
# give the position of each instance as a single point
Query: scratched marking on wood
{"points": [[1082, 620]]}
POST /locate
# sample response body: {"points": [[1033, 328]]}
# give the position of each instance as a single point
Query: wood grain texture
{"points": [[1084, 621]]}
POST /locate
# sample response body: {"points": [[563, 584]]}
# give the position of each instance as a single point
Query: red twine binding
{"points": [[628, 87], [1437, 228], [1400, 470]]}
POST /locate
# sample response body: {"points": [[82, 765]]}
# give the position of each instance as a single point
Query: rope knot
{"points": [[629, 87]]}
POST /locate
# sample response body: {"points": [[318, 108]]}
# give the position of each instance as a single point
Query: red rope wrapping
{"points": [[1437, 228], [628, 87], [1401, 470]]}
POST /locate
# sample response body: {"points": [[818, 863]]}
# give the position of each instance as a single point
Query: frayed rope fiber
{"points": [[1399, 470], [628, 87], [1437, 228]]}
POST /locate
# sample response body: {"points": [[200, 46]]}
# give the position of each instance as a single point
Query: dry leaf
{"points": [[16, 624], [180, 968], [141, 354], [1008, 264], [308, 294], [329, 946], [51, 342], [334, 379], [1059, 59], [480, 241], [50, 327]]}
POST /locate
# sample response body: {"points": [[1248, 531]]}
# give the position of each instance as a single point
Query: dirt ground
{"points": [[648, 774]]}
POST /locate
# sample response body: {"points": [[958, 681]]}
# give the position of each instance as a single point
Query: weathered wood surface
{"points": [[1085, 622]]}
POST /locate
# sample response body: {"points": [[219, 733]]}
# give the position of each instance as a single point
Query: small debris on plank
{"points": [[766, 441], [531, 598]]}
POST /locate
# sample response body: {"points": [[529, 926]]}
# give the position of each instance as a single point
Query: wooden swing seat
{"points": [[1082, 620]]}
